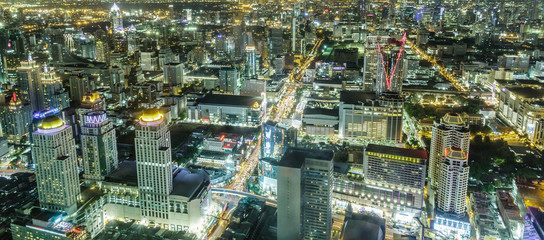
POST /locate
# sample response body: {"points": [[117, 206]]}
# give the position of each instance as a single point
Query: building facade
{"points": [[364, 116], [305, 180], [154, 164], [451, 131], [452, 187], [99, 145], [56, 165]]}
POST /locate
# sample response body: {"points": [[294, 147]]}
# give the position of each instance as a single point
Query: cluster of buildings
{"points": [[150, 190]]}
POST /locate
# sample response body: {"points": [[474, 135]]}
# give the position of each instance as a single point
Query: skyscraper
{"points": [[276, 138], [52, 94], [28, 81], [56, 165], [80, 84], [99, 146], [173, 74], [154, 165], [251, 62], [16, 118], [389, 72], [305, 179], [228, 80], [452, 131], [132, 39], [452, 187], [397, 175], [116, 19], [3, 48]]}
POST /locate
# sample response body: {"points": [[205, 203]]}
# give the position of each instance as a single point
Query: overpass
{"points": [[244, 194]]}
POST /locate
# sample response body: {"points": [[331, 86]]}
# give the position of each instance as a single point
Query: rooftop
{"points": [[405, 152], [186, 183], [189, 184], [294, 157], [356, 97], [527, 92], [221, 99]]}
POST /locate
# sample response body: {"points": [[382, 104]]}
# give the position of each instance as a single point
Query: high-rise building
{"points": [[90, 102], [389, 73], [452, 186], [3, 49], [251, 62], [16, 119], [148, 61], [173, 74], [365, 116], [116, 19], [54, 153], [28, 82], [52, 94], [132, 39], [228, 80], [99, 146], [154, 165], [80, 84], [276, 138], [451, 131], [398, 172], [305, 179], [275, 41], [102, 51]]}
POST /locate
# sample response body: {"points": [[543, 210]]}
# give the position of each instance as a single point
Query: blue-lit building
{"points": [[275, 139]]}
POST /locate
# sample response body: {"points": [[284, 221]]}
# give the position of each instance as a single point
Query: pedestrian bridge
{"points": [[244, 194]]}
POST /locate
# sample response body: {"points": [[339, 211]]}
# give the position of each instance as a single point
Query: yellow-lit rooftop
{"points": [[92, 97], [151, 115], [51, 122]]}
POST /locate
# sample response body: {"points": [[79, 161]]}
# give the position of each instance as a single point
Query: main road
{"points": [[284, 109]]}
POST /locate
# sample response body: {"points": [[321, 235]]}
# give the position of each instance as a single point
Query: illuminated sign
{"points": [[95, 118], [45, 113]]}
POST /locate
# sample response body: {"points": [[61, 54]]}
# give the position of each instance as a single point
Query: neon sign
{"points": [[45, 113]]}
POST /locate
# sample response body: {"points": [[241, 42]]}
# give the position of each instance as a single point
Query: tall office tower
{"points": [[3, 49], [165, 56], [28, 81], [228, 80], [276, 138], [132, 39], [389, 73], [398, 172], [117, 80], [305, 179], [16, 119], [452, 131], [116, 19], [371, 60], [52, 93], [275, 42], [90, 102], [86, 47], [154, 164], [80, 84], [279, 65], [173, 74], [452, 187], [55, 156], [293, 35], [365, 116], [102, 51], [251, 62], [98, 144]]}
